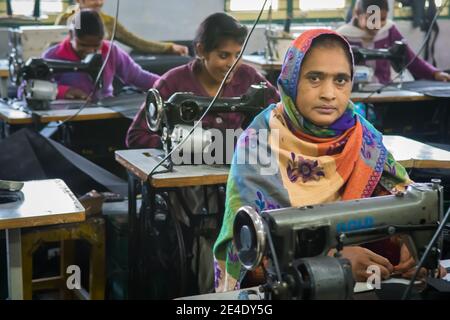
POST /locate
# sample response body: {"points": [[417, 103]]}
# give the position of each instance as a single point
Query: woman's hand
{"points": [[75, 93], [441, 76], [180, 50], [362, 258], [407, 266]]}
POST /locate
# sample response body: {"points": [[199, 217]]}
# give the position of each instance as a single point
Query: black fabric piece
{"points": [[126, 103], [439, 285], [127, 112], [394, 291], [26, 155]]}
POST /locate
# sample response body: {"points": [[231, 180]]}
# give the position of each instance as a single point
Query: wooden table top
{"points": [[414, 154], [12, 116], [4, 68], [408, 152], [389, 96], [141, 162], [45, 202], [64, 109]]}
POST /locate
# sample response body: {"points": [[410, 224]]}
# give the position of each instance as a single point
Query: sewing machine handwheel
{"points": [[154, 106], [15, 69], [249, 237]]}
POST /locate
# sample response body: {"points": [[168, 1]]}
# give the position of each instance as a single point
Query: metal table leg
{"points": [[133, 237], [146, 233]]}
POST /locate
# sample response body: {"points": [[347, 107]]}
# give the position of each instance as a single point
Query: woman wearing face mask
{"points": [[122, 34], [89, 39], [359, 32], [323, 152], [218, 42]]}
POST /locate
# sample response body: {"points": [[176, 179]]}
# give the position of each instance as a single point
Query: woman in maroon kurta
{"points": [[217, 43]]}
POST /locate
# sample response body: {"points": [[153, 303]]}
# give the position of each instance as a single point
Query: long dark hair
{"points": [[218, 27]]}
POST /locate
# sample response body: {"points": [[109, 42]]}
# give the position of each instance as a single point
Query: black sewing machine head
{"points": [[296, 241], [174, 118], [396, 55], [38, 72]]}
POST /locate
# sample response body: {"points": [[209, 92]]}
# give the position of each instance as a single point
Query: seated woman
{"points": [[122, 34], [89, 39], [325, 153], [359, 33], [218, 42]]}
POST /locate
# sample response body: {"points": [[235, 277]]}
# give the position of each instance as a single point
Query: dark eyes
{"points": [[225, 55], [314, 78], [340, 80]]}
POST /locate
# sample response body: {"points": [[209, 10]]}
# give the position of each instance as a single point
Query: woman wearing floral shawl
{"points": [[321, 151]]}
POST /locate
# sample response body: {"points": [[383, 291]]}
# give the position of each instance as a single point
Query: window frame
{"points": [[292, 8], [18, 20], [405, 13], [244, 16], [322, 15]]}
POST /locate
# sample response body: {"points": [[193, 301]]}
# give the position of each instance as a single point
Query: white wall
{"points": [[179, 19], [164, 20]]}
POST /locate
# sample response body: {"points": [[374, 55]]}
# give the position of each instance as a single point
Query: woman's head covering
{"points": [[283, 160], [290, 71], [290, 76]]}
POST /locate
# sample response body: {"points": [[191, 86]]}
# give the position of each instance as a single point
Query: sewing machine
{"points": [[39, 90], [27, 42], [176, 117], [364, 74], [296, 241]]}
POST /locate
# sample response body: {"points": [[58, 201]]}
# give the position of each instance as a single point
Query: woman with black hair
{"points": [[364, 31], [86, 38], [321, 152], [217, 43], [122, 34]]}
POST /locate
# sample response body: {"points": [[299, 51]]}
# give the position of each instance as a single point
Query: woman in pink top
{"points": [[86, 39], [359, 33]]}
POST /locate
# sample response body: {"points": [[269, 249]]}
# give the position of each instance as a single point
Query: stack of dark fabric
{"points": [[26, 155]]}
